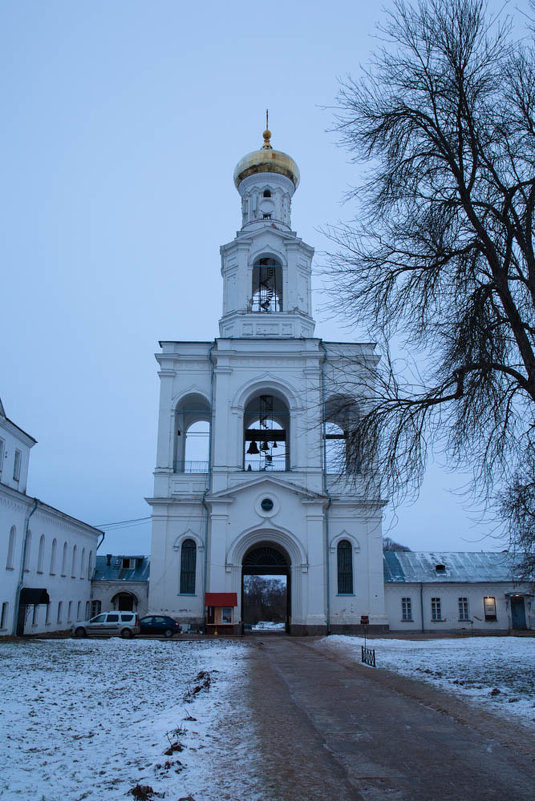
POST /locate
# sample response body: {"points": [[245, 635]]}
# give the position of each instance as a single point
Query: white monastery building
{"points": [[47, 557], [247, 480]]}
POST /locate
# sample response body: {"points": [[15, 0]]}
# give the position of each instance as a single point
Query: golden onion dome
{"points": [[266, 160]]}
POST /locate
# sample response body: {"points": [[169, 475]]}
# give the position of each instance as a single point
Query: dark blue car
{"points": [[159, 624]]}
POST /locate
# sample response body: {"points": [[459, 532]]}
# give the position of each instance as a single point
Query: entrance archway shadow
{"points": [[266, 585]]}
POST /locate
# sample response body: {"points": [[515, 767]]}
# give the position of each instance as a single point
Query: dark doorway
{"points": [[124, 602], [518, 613], [266, 592]]}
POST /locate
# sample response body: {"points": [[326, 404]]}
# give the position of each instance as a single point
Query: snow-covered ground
{"points": [[93, 719], [497, 673]]}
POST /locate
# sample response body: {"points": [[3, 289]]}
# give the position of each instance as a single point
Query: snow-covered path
{"points": [[498, 673], [92, 719]]}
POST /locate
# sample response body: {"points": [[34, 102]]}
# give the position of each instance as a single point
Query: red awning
{"points": [[221, 599]]}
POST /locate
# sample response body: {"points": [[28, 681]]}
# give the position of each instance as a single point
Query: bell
{"points": [[253, 448], [274, 443], [264, 446]]}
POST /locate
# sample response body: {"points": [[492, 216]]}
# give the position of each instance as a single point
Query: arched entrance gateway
{"points": [[266, 587]]}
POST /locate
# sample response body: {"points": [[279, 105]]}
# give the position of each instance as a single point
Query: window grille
{"points": [[436, 612], [188, 563], [345, 568]]}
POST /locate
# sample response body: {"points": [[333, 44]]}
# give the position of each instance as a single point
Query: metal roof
{"points": [[443, 567], [112, 568]]}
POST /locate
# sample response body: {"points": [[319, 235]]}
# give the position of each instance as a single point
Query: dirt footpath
{"points": [[330, 728]]}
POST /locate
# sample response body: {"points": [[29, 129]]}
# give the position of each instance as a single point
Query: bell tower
{"points": [[252, 476], [266, 269]]}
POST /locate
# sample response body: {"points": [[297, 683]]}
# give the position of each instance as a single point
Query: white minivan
{"points": [[124, 623]]}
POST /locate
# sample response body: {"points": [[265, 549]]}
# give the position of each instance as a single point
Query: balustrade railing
{"points": [[191, 467]]}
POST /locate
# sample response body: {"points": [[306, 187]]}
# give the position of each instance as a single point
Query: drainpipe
{"points": [[422, 605], [22, 563], [205, 493], [327, 493]]}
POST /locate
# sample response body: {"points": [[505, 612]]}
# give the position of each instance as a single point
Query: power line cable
{"points": [[123, 523]]}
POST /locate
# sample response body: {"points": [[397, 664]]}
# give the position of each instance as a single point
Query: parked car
{"points": [[159, 624], [124, 623]]}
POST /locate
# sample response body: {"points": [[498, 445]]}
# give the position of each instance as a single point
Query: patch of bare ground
{"points": [[329, 727], [511, 734]]}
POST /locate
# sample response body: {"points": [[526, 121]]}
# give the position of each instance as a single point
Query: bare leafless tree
{"points": [[441, 254]]}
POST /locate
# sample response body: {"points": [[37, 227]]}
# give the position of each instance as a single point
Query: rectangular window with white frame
{"points": [[406, 609], [436, 609], [464, 613]]}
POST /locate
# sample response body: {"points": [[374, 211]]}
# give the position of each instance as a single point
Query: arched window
{"points": [[267, 286], [82, 564], [341, 415], [188, 563], [64, 560], [53, 556], [11, 547], [266, 433], [28, 553], [90, 566], [41, 554], [73, 564], [267, 193], [345, 568], [192, 440]]}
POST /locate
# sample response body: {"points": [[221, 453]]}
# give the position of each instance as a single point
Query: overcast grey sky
{"points": [[122, 124]]}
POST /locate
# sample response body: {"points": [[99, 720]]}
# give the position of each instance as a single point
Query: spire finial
{"points": [[267, 134]]}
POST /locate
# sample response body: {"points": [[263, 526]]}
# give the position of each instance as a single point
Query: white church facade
{"points": [[247, 480]]}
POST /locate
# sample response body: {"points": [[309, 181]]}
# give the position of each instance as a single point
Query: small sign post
{"points": [[364, 621]]}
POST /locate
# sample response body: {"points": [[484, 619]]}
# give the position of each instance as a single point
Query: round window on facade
{"points": [[266, 504]]}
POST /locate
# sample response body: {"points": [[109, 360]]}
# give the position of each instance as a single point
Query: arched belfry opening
{"points": [[266, 590], [340, 417], [192, 435], [266, 423], [267, 285]]}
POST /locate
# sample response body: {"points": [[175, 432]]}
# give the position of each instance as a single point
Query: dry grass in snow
{"points": [[120, 719]]}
